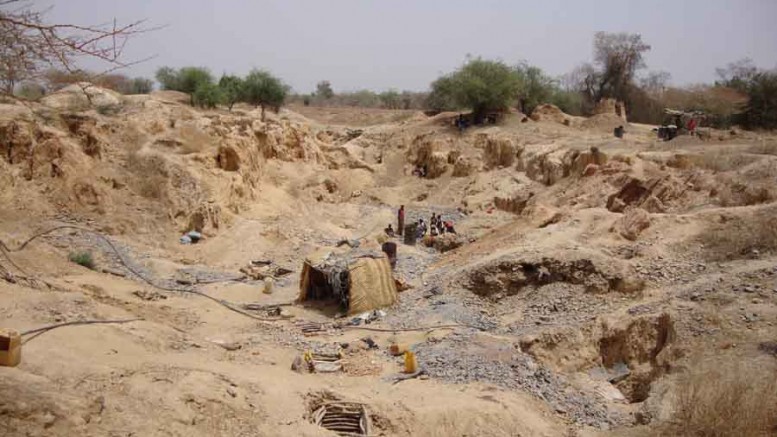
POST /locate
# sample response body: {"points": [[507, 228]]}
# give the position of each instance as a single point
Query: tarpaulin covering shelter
{"points": [[358, 280]]}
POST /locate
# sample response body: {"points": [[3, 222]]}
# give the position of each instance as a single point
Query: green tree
{"points": [[207, 95], [482, 85], [570, 102], [185, 80], [141, 85], [761, 108], [232, 89], [192, 78], [263, 89], [536, 87], [441, 98], [167, 78], [390, 99], [324, 90]]}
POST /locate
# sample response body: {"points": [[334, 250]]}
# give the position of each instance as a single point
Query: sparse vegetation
{"points": [[152, 174], [720, 399], [324, 90], [390, 99], [741, 237], [82, 258], [31, 91]]}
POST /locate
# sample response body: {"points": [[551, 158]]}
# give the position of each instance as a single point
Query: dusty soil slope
{"points": [[587, 273]]}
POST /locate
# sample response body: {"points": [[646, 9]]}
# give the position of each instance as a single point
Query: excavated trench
{"points": [[642, 345], [630, 354]]}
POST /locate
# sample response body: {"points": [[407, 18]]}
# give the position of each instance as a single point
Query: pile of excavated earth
{"points": [[587, 272]]}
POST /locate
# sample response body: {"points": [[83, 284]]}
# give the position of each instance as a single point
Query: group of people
{"points": [[437, 226], [421, 171]]}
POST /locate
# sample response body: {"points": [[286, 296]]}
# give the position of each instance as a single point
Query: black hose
{"points": [[223, 303]]}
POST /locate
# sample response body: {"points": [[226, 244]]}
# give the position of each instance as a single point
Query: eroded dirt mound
{"points": [[549, 112], [653, 195], [604, 122], [82, 96], [511, 276], [431, 153], [634, 221], [498, 151], [161, 156]]}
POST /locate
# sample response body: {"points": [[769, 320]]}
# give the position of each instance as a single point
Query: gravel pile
{"points": [[454, 360]]}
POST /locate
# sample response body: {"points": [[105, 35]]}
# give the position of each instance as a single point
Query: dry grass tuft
{"points": [[150, 174], [716, 398], [741, 237], [765, 148], [193, 140], [720, 161], [734, 193]]}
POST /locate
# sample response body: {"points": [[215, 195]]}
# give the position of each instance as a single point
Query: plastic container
{"points": [[397, 349], [268, 286], [10, 348], [411, 365]]}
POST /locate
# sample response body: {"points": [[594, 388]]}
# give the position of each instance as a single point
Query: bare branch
{"points": [[29, 46]]}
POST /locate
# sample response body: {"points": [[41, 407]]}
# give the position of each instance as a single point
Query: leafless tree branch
{"points": [[29, 45]]}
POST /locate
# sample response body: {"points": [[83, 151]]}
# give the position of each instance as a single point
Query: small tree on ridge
{"points": [[263, 89]]}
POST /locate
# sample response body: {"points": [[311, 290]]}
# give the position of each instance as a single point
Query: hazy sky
{"points": [[405, 44]]}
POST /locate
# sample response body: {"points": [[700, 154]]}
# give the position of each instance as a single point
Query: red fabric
{"points": [[692, 124]]}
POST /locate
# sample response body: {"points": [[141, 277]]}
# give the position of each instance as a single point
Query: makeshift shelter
{"points": [[357, 280]]}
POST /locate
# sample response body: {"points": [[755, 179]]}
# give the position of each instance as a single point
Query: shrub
{"points": [[208, 95], [83, 259]]}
